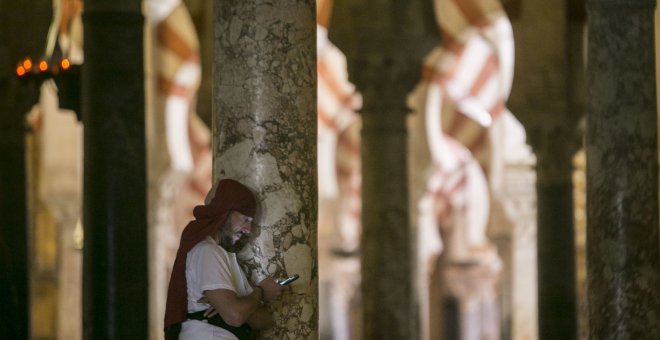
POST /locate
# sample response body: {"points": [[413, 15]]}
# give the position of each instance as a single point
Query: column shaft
{"points": [[556, 260], [389, 305], [13, 233], [555, 145], [546, 97], [264, 135], [385, 42], [115, 275], [623, 269], [17, 41], [14, 258]]}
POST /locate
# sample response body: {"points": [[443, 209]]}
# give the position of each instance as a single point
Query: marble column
{"points": [[115, 275], [13, 234], [13, 214], [384, 42], [13, 219], [557, 294], [623, 256], [547, 99], [17, 41], [264, 135]]}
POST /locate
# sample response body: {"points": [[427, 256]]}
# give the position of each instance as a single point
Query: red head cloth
{"points": [[229, 195]]}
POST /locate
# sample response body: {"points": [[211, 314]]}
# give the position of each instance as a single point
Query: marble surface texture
{"points": [[264, 135], [623, 273]]}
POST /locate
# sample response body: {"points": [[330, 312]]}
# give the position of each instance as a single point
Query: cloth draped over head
{"points": [[229, 195]]}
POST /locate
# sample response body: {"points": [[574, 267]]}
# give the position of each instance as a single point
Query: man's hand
{"points": [[272, 290], [210, 312], [237, 310]]}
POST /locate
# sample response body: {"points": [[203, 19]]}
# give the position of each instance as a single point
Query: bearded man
{"points": [[209, 296]]}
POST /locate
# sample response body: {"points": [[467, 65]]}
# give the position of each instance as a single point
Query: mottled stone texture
{"points": [[623, 273], [264, 131], [115, 275]]}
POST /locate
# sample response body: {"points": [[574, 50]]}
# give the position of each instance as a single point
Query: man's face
{"points": [[235, 233]]}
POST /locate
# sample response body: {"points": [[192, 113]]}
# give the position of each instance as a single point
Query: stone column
{"points": [[385, 42], [17, 41], [557, 307], [115, 275], [264, 135], [14, 232], [623, 256], [546, 97], [14, 259], [520, 201]]}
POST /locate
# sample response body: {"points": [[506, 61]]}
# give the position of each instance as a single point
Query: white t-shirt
{"points": [[210, 267]]}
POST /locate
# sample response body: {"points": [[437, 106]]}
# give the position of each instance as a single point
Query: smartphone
{"points": [[288, 280]]}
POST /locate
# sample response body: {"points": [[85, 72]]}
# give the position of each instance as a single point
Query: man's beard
{"points": [[228, 244]]}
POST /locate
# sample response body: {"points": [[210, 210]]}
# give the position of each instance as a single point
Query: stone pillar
{"points": [[115, 275], [264, 135], [17, 41], [623, 256], [557, 295], [546, 97], [14, 257], [520, 201], [385, 42]]}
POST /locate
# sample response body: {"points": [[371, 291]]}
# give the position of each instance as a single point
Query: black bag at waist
{"points": [[242, 332]]}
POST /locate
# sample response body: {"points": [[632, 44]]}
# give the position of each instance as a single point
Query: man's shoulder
{"points": [[208, 246]]}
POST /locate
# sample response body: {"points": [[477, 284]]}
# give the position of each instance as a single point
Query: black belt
{"points": [[242, 332]]}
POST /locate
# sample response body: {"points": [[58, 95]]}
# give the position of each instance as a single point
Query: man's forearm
{"points": [[261, 319], [233, 309]]}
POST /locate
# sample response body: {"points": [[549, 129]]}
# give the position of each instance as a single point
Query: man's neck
{"points": [[215, 238]]}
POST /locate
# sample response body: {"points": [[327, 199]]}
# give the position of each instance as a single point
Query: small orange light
{"points": [[43, 65], [27, 64], [20, 70], [65, 64]]}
